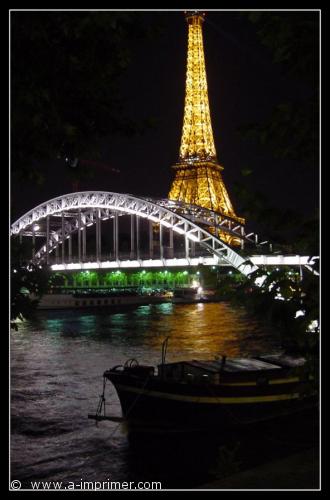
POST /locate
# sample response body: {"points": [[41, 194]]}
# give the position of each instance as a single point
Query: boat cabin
{"points": [[230, 369]]}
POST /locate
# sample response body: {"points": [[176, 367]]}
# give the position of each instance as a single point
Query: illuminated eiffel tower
{"points": [[198, 178]]}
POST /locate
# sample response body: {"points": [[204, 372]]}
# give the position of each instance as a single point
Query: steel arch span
{"points": [[81, 209]]}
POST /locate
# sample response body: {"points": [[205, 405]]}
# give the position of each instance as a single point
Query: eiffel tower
{"points": [[198, 178]]}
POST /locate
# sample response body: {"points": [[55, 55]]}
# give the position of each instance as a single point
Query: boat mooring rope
{"points": [[102, 404]]}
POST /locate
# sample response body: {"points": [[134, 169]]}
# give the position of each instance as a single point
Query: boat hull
{"points": [[107, 302], [155, 402]]}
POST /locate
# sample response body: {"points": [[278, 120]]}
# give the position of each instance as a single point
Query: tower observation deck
{"points": [[198, 178]]}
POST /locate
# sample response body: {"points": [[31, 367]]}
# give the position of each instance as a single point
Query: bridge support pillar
{"points": [[151, 240], [63, 238], [161, 248], [33, 243], [84, 243], [20, 239], [56, 254], [70, 248], [137, 238], [242, 237], [132, 237], [98, 235], [115, 236], [47, 240], [171, 243], [193, 246], [79, 235], [216, 225], [186, 244]]}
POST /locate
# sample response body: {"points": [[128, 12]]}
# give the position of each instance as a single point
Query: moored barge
{"points": [[226, 392]]}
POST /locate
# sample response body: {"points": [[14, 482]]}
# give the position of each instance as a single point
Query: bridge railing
{"points": [[126, 256]]}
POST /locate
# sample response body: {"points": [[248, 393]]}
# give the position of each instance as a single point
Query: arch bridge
{"points": [[100, 229]]}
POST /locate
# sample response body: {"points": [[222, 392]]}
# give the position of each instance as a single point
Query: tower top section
{"points": [[197, 143], [194, 16]]}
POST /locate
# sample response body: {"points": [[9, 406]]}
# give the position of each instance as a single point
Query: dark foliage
{"points": [[28, 282], [281, 295], [292, 130], [65, 83]]}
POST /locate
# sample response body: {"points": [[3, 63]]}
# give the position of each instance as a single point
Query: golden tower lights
{"points": [[198, 178]]}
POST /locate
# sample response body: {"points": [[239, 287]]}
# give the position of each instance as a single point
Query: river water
{"points": [[57, 362]]}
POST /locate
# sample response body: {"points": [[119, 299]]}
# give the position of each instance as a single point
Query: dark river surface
{"points": [[57, 362]]}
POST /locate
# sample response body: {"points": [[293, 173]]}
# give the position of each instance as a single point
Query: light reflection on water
{"points": [[196, 330], [57, 362]]}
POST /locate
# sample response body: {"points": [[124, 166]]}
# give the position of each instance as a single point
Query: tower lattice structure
{"points": [[198, 178]]}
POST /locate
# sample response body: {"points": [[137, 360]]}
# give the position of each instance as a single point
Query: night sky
{"points": [[244, 85]]}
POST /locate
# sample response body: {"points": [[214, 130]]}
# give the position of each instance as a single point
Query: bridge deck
{"points": [[263, 260]]}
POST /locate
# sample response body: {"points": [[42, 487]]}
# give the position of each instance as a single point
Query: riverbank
{"points": [[298, 471]]}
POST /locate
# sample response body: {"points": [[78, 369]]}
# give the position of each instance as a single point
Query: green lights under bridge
{"points": [[132, 279]]}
